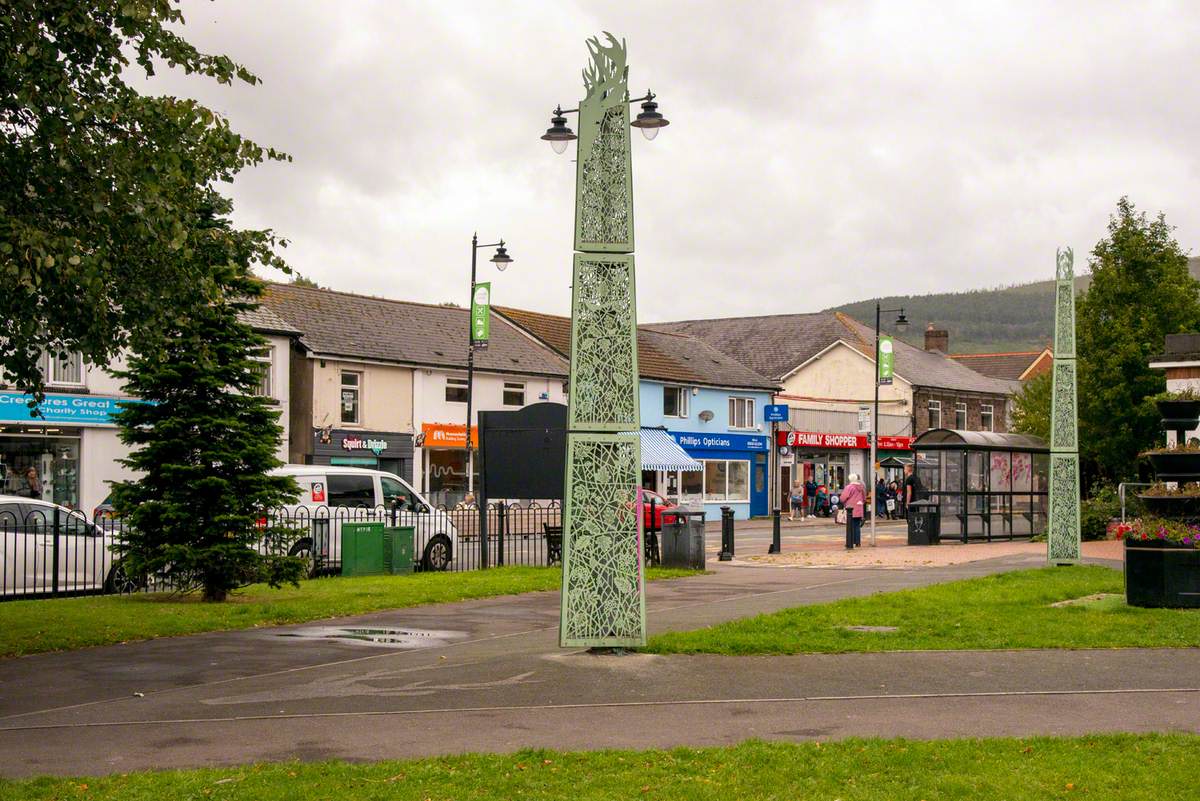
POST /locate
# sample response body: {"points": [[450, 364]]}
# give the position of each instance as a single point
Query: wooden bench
{"points": [[553, 536]]}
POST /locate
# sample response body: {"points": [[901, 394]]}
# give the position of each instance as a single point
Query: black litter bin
{"points": [[683, 540], [924, 523]]}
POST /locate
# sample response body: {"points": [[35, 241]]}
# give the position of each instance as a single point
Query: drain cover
{"points": [[379, 637], [876, 629]]}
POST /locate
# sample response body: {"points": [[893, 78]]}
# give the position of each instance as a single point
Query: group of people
{"points": [[890, 498]]}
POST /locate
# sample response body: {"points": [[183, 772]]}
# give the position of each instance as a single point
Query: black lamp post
{"points": [[901, 326], [501, 259]]}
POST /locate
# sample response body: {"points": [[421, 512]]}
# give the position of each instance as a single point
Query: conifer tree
{"points": [[204, 440]]}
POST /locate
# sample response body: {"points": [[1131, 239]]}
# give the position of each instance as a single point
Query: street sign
{"points": [[886, 359], [775, 413], [481, 301]]}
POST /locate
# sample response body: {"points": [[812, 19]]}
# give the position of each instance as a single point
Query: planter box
{"points": [[1172, 507], [1179, 414], [1182, 466], [1162, 574]]}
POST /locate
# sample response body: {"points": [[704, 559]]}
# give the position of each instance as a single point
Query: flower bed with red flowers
{"points": [[1159, 530]]}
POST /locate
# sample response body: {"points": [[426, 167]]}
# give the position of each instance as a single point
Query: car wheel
{"points": [[437, 554], [303, 549], [120, 582]]}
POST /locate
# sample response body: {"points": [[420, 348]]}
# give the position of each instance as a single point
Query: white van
{"points": [[331, 495]]}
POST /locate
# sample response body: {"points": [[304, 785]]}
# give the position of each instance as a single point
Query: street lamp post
{"points": [[501, 259], [901, 326]]}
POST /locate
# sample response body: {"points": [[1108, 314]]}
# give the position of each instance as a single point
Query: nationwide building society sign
{"points": [[74, 410]]}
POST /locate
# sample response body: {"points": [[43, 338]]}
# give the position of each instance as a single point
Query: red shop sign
{"points": [[816, 439]]}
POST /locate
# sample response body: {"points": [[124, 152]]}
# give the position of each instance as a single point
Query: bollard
{"points": [[726, 534], [775, 544], [500, 540]]}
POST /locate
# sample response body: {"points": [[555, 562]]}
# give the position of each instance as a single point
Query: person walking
{"points": [[891, 500], [880, 498], [853, 498], [810, 494], [914, 490], [797, 501]]}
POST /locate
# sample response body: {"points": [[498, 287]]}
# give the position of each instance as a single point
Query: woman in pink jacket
{"points": [[854, 497]]}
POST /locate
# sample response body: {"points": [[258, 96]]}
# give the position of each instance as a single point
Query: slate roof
{"points": [[775, 345], [1007, 366], [265, 321], [662, 355], [361, 327]]}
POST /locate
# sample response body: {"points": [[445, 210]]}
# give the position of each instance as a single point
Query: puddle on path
{"points": [[402, 638]]}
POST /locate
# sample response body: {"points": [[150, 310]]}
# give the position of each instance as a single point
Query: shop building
{"points": [[825, 365], [383, 383], [708, 404], [70, 439]]}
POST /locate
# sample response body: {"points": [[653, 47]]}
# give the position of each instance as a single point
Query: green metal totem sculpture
{"points": [[603, 594], [1062, 539]]}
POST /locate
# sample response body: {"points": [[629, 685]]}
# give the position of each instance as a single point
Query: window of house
{"points": [[63, 368], [262, 368], [986, 417], [351, 404], [935, 414], [726, 480], [675, 402], [514, 393], [960, 416], [456, 390], [356, 491], [741, 412]]}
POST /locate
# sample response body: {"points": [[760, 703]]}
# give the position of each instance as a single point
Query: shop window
{"points": [[356, 491], [935, 414], [675, 402], [960, 416], [986, 417], [514, 393], [456, 390], [63, 368], [351, 397], [741, 412], [691, 484], [262, 370], [725, 481]]}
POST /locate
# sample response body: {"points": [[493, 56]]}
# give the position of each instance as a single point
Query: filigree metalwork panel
{"points": [[1062, 539], [1064, 336], [604, 370], [1063, 424], [603, 601], [604, 176]]}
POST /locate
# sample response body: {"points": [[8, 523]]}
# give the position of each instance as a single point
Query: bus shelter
{"points": [[986, 485]]}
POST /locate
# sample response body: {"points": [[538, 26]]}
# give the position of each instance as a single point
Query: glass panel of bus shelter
{"points": [[1041, 472], [976, 512], [976, 471], [927, 469], [1022, 472], [1022, 515], [951, 471], [999, 472], [999, 510]]}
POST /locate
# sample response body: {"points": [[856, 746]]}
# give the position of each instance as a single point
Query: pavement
{"points": [[487, 675]]}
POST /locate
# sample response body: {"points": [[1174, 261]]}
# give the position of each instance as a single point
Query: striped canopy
{"points": [[660, 452]]}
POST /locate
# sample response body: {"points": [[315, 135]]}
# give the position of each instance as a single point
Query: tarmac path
{"points": [[488, 676]]}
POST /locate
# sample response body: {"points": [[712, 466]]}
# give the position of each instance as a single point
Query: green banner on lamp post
{"points": [[481, 301], [886, 359]]}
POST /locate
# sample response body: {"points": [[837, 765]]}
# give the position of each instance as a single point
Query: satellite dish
{"points": [[706, 415]]}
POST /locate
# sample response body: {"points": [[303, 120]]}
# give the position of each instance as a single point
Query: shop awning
{"points": [[660, 452]]}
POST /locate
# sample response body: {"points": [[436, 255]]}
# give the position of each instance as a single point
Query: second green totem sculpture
{"points": [[1062, 538], [603, 591]]}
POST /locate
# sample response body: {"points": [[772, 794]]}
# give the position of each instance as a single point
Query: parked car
{"points": [[32, 530], [657, 514], [331, 495]]}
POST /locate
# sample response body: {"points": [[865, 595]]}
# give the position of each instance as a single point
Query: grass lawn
{"points": [[1007, 610], [28, 627], [1100, 768]]}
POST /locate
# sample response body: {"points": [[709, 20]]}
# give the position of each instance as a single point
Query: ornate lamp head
{"points": [[1066, 263]]}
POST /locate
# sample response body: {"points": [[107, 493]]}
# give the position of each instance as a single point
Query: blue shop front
{"points": [[734, 475]]}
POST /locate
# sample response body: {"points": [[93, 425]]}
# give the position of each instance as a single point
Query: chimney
{"points": [[937, 339]]}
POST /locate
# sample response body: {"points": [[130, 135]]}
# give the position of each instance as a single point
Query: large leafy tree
{"points": [[1031, 407], [204, 442], [1140, 291], [100, 184]]}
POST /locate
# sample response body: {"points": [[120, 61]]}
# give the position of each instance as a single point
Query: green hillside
{"points": [[1017, 317]]}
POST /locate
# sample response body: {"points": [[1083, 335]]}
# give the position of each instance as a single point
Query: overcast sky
{"points": [[818, 153]]}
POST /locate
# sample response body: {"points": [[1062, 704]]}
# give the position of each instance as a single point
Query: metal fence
{"points": [[46, 551]]}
